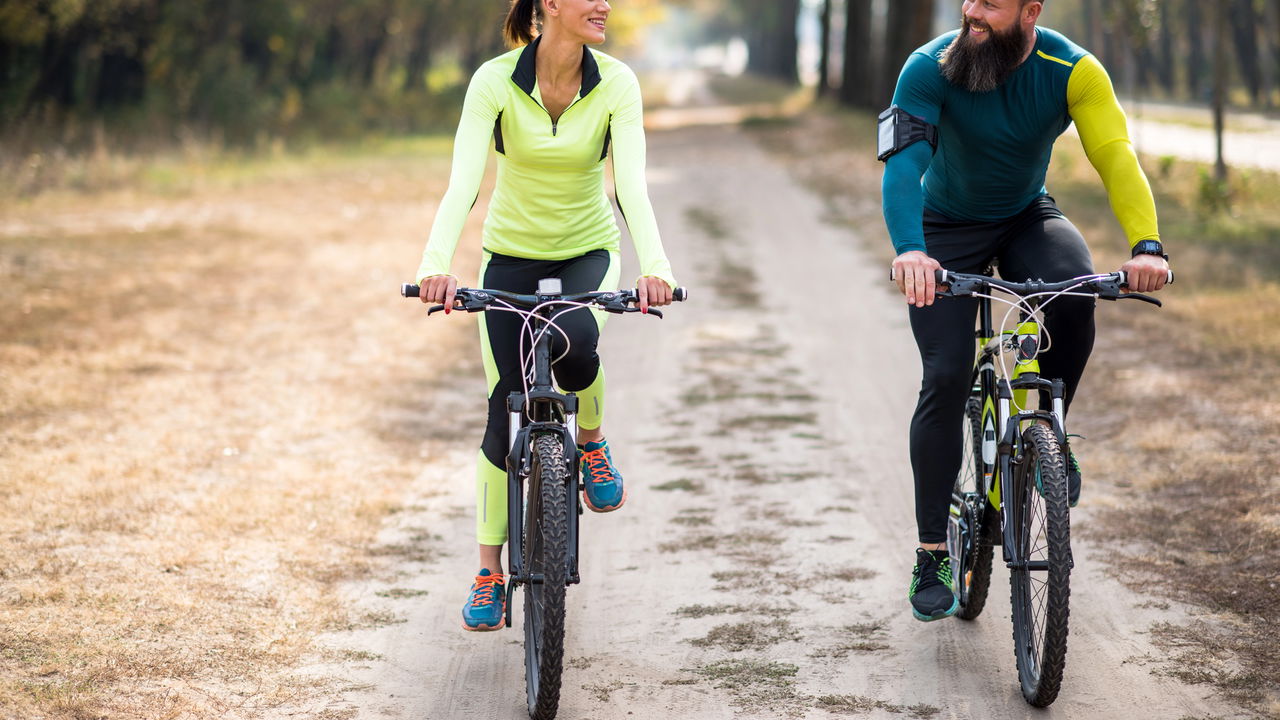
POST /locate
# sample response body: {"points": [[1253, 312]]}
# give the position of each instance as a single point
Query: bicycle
{"points": [[1021, 454], [541, 477]]}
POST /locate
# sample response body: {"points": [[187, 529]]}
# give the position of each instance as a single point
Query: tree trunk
{"points": [[909, 26], [1195, 55], [824, 52], [1220, 11], [419, 58], [771, 42], [856, 77], [58, 69], [1244, 26], [1165, 64], [1271, 51]]}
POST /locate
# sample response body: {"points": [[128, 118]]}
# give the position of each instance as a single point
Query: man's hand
{"points": [[439, 290], [914, 272], [653, 291], [1147, 273]]}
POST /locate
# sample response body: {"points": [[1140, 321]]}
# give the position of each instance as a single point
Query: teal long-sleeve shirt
{"points": [[994, 148]]}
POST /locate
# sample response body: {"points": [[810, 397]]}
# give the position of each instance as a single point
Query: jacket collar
{"points": [[525, 75]]}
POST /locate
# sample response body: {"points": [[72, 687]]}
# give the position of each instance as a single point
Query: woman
{"points": [[552, 108]]}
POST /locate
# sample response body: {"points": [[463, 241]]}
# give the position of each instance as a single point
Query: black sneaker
{"points": [[931, 594], [1073, 480]]}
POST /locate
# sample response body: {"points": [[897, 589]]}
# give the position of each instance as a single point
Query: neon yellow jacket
{"points": [[550, 201]]}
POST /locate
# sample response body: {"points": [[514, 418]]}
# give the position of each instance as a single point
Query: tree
{"points": [[909, 25], [1220, 11], [857, 85], [771, 38], [1244, 30], [824, 52]]}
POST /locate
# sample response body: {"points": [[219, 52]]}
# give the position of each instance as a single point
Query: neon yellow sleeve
{"points": [[1100, 120], [627, 128], [470, 154]]}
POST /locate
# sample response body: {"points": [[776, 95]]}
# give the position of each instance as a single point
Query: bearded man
{"points": [[975, 114]]}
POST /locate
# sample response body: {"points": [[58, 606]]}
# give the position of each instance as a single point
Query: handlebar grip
{"points": [[1124, 278], [680, 294], [409, 290]]}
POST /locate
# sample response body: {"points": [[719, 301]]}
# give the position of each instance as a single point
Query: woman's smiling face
{"points": [[584, 20]]}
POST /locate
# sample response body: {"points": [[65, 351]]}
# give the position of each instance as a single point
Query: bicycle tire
{"points": [[546, 554], [1042, 533], [973, 576]]}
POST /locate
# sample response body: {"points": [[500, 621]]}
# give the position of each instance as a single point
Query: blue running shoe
{"points": [[601, 481], [931, 594], [486, 607]]}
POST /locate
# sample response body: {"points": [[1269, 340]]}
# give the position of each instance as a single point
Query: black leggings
{"points": [[1037, 243], [576, 371]]}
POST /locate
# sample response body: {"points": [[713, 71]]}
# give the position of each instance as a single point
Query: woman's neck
{"points": [[559, 60]]}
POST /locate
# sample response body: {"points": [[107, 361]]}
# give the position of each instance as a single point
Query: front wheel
{"points": [[1041, 581], [546, 561]]}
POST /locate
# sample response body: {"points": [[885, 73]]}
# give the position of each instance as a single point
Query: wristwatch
{"points": [[1149, 247]]}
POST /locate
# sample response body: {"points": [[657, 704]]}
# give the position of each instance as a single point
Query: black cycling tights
{"points": [[574, 372], [1037, 243]]}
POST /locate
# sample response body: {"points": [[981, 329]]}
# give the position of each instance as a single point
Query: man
{"points": [[976, 112]]}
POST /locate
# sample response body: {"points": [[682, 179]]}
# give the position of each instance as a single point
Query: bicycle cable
{"points": [[526, 358], [1034, 312]]}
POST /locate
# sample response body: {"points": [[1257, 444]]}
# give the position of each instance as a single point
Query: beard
{"points": [[982, 67]]}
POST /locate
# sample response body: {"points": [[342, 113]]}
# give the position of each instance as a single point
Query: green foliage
{"points": [[237, 69], [1213, 196]]}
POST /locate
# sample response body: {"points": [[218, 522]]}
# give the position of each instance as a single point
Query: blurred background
{"points": [[253, 72]]}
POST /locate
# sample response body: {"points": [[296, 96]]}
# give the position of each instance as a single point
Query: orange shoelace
{"points": [[485, 589], [598, 465]]}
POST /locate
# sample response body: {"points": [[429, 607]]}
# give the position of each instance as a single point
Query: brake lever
{"points": [[1143, 298], [473, 306]]}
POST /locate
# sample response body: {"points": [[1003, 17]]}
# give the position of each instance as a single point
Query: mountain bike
{"points": [[1012, 486], [542, 474]]}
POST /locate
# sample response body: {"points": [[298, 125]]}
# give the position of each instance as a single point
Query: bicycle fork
{"points": [[1011, 452]]}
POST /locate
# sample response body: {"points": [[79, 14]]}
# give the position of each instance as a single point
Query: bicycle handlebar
{"points": [[1105, 287], [479, 300]]}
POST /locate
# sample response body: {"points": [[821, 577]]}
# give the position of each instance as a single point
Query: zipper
{"points": [[555, 124]]}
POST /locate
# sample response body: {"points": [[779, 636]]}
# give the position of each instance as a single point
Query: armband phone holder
{"points": [[899, 129]]}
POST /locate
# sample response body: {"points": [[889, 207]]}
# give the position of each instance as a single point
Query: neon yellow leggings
{"points": [[579, 371]]}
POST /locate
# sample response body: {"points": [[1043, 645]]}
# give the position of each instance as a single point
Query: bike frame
{"points": [[1001, 426], [542, 411]]}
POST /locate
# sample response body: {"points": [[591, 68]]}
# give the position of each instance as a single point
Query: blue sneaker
{"points": [[931, 594], [601, 481], [486, 607]]}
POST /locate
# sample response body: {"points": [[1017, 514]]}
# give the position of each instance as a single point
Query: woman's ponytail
{"points": [[519, 27]]}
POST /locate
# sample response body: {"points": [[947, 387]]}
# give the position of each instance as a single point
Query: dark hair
{"points": [[520, 22]]}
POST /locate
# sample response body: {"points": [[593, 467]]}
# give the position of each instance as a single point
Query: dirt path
{"points": [[760, 565]]}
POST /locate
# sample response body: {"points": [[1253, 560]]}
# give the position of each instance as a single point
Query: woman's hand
{"points": [[439, 290], [914, 272], [653, 291]]}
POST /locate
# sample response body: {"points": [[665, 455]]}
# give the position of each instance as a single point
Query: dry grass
{"points": [[207, 405]]}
